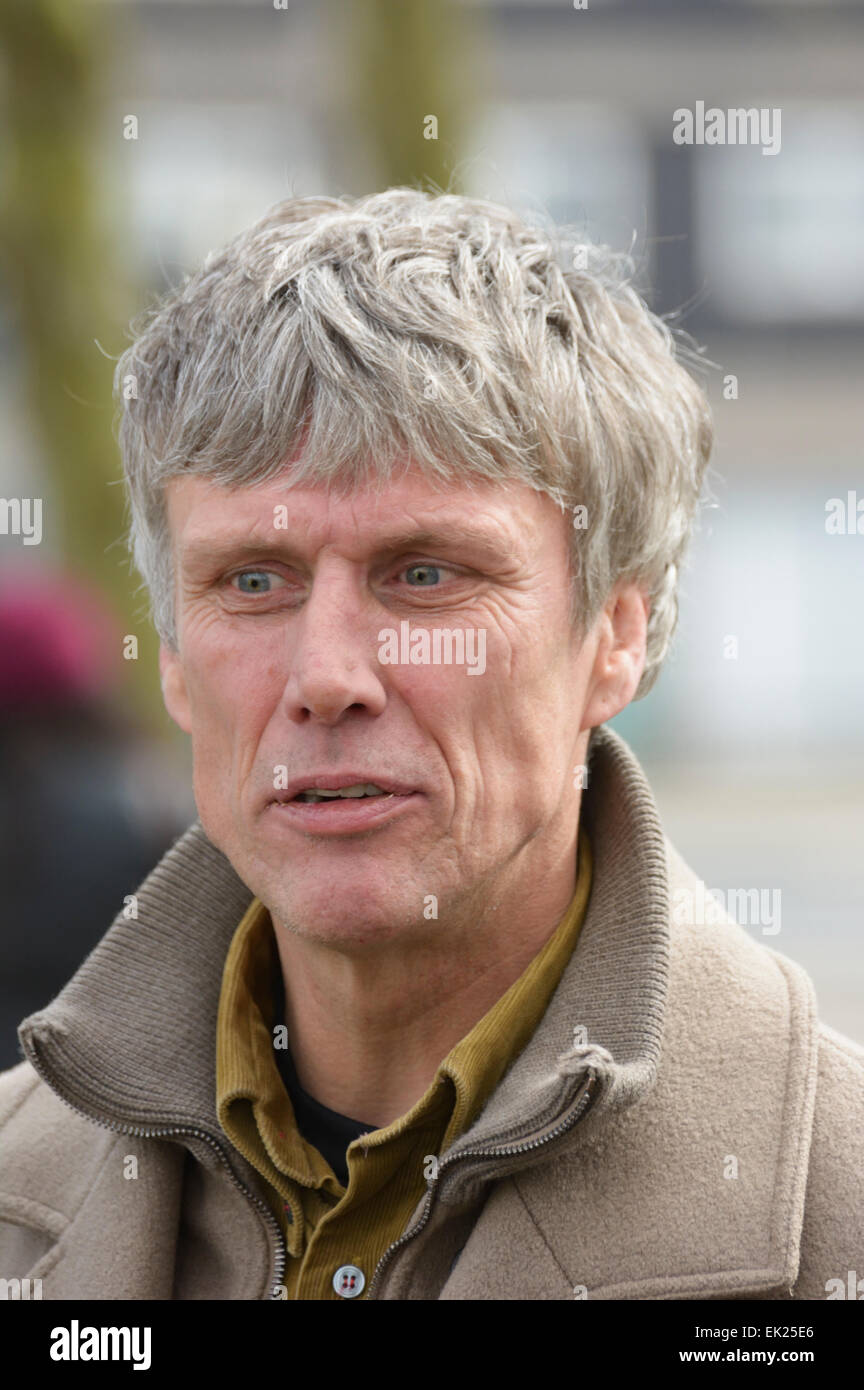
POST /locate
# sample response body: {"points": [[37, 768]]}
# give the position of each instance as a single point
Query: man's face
{"points": [[281, 617]]}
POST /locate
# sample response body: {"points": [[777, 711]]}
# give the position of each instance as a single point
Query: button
{"points": [[348, 1281]]}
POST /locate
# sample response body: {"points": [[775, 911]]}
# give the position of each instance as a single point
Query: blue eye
{"points": [[428, 570], [261, 584]]}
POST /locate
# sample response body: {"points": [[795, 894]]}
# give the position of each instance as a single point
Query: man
{"points": [[421, 1006]]}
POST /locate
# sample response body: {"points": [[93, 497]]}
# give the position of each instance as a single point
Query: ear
{"points": [[620, 655], [174, 692]]}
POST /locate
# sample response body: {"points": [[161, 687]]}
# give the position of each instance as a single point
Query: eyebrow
{"points": [[254, 546]]}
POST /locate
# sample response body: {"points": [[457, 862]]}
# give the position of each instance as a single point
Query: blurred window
{"points": [[781, 237], [582, 163], [204, 172]]}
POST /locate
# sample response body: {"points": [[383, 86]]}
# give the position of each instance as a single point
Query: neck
{"points": [[368, 1030]]}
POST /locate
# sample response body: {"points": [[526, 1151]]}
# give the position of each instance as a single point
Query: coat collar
{"points": [[130, 1040]]}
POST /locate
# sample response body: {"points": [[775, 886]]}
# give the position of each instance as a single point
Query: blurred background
{"points": [[136, 135]]}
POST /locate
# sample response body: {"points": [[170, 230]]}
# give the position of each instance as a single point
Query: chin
{"points": [[365, 902], [338, 919]]}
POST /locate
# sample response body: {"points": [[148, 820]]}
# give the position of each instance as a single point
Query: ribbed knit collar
{"points": [[130, 1040]]}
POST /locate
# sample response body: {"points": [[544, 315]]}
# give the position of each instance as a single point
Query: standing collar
{"points": [[267, 1125], [130, 1040]]}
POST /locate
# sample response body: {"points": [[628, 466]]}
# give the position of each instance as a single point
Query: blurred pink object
{"points": [[59, 642]]}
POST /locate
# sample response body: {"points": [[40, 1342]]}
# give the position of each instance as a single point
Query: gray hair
{"points": [[446, 331]]}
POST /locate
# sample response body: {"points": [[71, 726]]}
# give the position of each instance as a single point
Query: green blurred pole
{"points": [[411, 87], [65, 291]]}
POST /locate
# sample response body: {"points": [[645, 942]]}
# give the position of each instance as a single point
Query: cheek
{"points": [[532, 717], [231, 692], [222, 667]]}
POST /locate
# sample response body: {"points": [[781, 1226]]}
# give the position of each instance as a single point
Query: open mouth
{"points": [[348, 810], [360, 791]]}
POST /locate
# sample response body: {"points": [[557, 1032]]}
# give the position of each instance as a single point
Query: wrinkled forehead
{"points": [[508, 517]]}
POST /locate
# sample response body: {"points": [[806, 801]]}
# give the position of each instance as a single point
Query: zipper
{"points": [[174, 1131], [585, 1101]]}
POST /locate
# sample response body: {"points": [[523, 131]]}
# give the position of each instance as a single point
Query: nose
{"points": [[333, 658]]}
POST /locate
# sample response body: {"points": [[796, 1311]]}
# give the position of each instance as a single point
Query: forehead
{"points": [[512, 513]]}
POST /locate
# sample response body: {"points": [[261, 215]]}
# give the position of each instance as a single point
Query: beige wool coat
{"points": [[679, 1126]]}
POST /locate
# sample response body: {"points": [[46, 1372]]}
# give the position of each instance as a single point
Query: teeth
{"points": [[313, 794]]}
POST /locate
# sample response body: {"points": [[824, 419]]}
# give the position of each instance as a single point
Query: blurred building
{"points": [[753, 736]]}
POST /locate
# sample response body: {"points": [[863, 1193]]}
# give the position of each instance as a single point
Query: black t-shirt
{"points": [[327, 1130]]}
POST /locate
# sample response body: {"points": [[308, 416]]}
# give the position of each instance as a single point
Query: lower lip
{"points": [[345, 816]]}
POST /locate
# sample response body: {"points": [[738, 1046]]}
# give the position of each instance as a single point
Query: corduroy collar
{"points": [[130, 1040]]}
